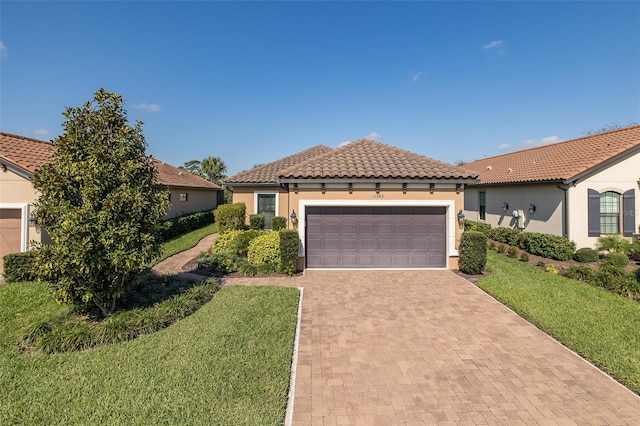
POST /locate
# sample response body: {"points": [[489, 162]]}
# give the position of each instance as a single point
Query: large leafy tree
{"points": [[100, 205]]}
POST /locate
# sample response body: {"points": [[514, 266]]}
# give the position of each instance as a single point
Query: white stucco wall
{"points": [[547, 199], [619, 177]]}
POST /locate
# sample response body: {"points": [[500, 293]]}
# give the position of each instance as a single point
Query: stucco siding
{"points": [[17, 192], [197, 200], [618, 177], [547, 199]]}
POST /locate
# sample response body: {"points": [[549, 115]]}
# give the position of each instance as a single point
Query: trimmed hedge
{"points": [[473, 252], [20, 266], [275, 251], [278, 223], [230, 217], [235, 243], [179, 225], [256, 221], [470, 225], [585, 255], [582, 273], [547, 245]]}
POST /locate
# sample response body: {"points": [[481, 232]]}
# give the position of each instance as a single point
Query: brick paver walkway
{"points": [[424, 347], [175, 264]]}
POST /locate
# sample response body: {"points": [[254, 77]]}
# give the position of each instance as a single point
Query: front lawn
{"points": [[601, 326], [228, 363]]}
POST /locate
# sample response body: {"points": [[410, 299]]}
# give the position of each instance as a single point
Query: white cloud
{"points": [[345, 143], [416, 76], [3, 50], [505, 146], [541, 141], [148, 107], [373, 135], [493, 44], [41, 132]]}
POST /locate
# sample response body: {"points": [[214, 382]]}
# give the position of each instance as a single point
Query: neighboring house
{"points": [[364, 205], [583, 188], [20, 157]]}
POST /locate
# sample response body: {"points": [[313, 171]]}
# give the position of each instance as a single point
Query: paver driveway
{"points": [[424, 347]]}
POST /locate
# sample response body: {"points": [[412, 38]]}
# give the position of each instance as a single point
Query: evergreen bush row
{"points": [[179, 225]]}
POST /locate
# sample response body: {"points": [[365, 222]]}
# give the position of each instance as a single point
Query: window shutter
{"points": [[628, 213], [593, 209]]}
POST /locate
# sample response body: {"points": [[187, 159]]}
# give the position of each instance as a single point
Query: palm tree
{"points": [[213, 169]]}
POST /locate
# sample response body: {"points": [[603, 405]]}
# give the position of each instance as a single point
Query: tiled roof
{"points": [[31, 154], [268, 173], [369, 159], [561, 161]]}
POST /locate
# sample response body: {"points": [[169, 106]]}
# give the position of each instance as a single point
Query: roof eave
{"points": [[13, 167], [378, 180]]}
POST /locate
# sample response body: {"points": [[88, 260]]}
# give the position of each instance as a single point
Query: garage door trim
{"points": [[450, 218], [24, 210]]}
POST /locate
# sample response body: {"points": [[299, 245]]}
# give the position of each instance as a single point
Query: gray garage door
{"points": [[375, 237]]}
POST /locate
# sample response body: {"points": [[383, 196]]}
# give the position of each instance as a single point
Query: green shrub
{"points": [[289, 244], [617, 280], [74, 334], [549, 246], [230, 217], [512, 252], [551, 268], [637, 274], [274, 252], [501, 248], [506, 235], [235, 242], [264, 252], [179, 225], [221, 263], [524, 256], [581, 273], [617, 259], [585, 255], [470, 225], [473, 252], [614, 244], [20, 266], [492, 245], [278, 223], [256, 221], [541, 264]]}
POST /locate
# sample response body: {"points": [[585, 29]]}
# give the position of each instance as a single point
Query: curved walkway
{"points": [[175, 264]]}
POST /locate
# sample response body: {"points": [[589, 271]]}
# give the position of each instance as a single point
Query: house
{"points": [[363, 205], [20, 157], [583, 188]]}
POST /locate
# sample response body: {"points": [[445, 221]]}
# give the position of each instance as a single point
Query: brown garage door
{"points": [[375, 237], [10, 229]]}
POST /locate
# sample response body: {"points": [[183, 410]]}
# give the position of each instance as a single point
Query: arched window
{"points": [[610, 213]]}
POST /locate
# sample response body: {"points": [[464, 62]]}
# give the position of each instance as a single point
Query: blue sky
{"points": [[251, 82]]}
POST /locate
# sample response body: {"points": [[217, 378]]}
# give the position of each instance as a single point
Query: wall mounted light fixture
{"points": [[461, 219], [432, 187], [532, 208], [294, 218], [505, 206]]}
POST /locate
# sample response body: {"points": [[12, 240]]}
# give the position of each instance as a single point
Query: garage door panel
{"points": [[364, 236]]}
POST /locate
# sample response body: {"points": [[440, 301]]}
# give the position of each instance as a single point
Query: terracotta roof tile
{"points": [[31, 154], [369, 159], [268, 173], [562, 161]]}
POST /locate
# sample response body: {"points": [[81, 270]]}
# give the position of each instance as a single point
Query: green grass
{"points": [[186, 241], [228, 363], [601, 326]]}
